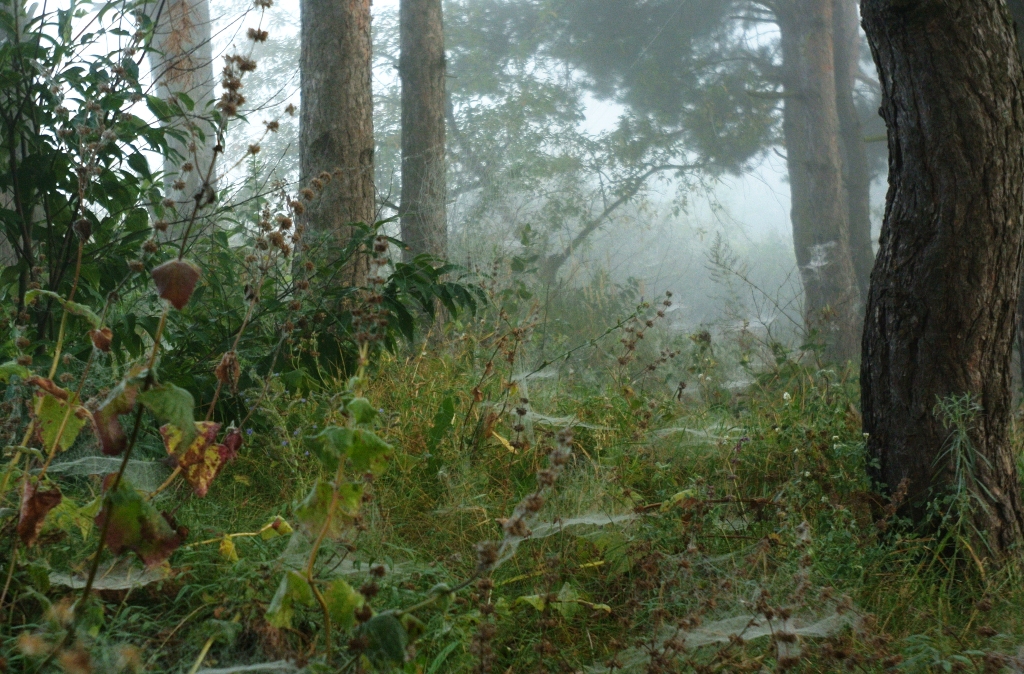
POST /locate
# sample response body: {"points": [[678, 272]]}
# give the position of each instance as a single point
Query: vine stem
{"points": [[335, 497], [94, 567]]}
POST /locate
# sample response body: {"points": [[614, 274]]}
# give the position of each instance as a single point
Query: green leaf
{"points": [[71, 307], [292, 591], [13, 369], [342, 603], [368, 451], [331, 445], [313, 513], [442, 423], [386, 639], [136, 525], [50, 417], [361, 410], [174, 405]]}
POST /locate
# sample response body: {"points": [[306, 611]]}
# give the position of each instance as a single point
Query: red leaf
{"points": [[175, 281], [34, 506], [108, 429], [233, 441], [101, 339]]}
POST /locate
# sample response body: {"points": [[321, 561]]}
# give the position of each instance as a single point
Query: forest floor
{"points": [[711, 528]]}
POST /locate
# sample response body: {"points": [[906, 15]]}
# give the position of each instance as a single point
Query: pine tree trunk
{"points": [[422, 71], [182, 63], [819, 213], [1016, 8], [853, 150], [336, 123], [944, 290]]}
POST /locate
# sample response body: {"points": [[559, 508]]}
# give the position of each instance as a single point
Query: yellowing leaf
{"points": [[277, 527], [342, 603], [227, 549], [505, 443], [203, 460], [50, 417], [678, 498], [293, 591]]}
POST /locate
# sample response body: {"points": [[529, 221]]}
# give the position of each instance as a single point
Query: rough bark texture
{"points": [[336, 123], [1016, 8], [819, 214], [422, 71], [944, 290], [853, 150], [182, 62]]}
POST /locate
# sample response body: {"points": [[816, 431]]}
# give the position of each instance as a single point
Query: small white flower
{"points": [[807, 473], [786, 396]]}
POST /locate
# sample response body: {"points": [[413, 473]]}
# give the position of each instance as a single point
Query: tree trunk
{"points": [[182, 63], [853, 150], [819, 214], [336, 123], [422, 71], [1016, 8], [944, 290]]}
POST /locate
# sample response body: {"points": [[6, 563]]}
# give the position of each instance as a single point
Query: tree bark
{"points": [[944, 290], [1016, 8], [336, 123], [422, 71], [820, 221], [853, 150], [182, 63]]}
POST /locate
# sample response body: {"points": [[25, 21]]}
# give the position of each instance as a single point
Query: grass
{"points": [[729, 503]]}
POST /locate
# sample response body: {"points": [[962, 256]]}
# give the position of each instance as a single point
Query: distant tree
{"points": [[856, 166], [702, 67], [819, 199], [336, 117], [181, 62], [940, 315], [422, 71]]}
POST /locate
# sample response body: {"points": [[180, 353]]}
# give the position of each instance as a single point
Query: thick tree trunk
{"points": [[422, 71], [182, 63], [944, 290], [336, 123], [819, 214], [856, 176], [1016, 8]]}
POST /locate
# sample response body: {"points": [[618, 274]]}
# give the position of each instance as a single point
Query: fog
{"points": [[663, 239]]}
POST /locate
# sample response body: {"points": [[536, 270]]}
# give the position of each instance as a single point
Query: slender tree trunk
{"points": [[819, 213], [336, 124], [422, 71], [944, 291], [853, 150], [182, 63]]}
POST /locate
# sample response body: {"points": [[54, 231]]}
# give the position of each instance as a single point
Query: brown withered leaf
{"points": [[105, 423], [35, 503], [136, 525], [228, 370], [48, 386], [101, 339], [175, 281]]}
